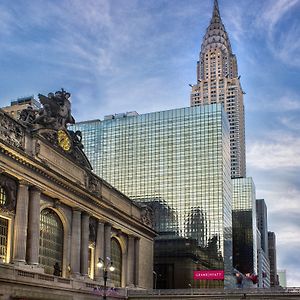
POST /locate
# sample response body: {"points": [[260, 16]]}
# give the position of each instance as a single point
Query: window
{"points": [[3, 238], [51, 240], [116, 258], [91, 262], [3, 197]]}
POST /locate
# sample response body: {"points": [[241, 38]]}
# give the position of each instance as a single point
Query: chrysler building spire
{"points": [[216, 12], [218, 82]]}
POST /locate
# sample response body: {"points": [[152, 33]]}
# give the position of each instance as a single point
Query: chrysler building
{"points": [[218, 81]]}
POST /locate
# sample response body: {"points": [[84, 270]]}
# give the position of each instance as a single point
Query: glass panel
{"points": [[51, 242], [116, 259], [3, 238]]}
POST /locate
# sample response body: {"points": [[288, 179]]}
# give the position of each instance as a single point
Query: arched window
{"points": [[116, 258], [51, 241]]}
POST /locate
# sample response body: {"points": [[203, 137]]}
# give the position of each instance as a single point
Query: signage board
{"points": [[209, 275]]}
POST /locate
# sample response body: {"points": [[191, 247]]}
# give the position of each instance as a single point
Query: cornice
{"points": [[44, 171]]}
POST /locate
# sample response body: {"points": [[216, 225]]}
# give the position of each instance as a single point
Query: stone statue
{"points": [[51, 122], [27, 115], [56, 111]]}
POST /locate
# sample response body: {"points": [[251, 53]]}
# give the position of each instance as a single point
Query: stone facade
{"points": [[38, 175]]}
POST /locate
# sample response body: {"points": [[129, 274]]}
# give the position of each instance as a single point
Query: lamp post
{"points": [[108, 265]]}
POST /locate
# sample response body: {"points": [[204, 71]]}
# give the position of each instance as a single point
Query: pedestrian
{"points": [[239, 280]]}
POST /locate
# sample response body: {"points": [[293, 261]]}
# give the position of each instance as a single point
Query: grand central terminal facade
{"points": [[64, 232]]}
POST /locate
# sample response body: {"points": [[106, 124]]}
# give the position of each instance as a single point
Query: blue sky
{"points": [[123, 55]]}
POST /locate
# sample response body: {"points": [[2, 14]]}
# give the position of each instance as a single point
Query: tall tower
{"points": [[177, 162], [218, 82]]}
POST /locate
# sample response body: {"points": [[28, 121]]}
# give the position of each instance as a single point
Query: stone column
{"points": [[85, 232], [20, 226], [107, 245], [75, 242], [33, 226], [136, 259], [130, 262], [99, 251]]}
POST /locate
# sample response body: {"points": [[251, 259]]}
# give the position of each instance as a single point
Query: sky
{"points": [[117, 56]]}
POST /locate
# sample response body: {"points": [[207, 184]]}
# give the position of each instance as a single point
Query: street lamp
{"points": [[108, 265]]}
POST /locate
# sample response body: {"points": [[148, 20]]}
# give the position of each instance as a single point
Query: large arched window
{"points": [[116, 258], [3, 228], [51, 241]]}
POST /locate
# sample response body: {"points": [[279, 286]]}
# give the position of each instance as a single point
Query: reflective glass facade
{"points": [[244, 225], [177, 162]]}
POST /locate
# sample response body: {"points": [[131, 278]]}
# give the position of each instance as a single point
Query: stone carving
{"points": [[51, 122], [56, 203], [93, 185], [76, 138], [55, 113], [37, 148], [27, 116], [10, 188], [11, 132], [147, 216]]}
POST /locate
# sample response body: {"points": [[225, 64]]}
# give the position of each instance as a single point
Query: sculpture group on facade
{"points": [[55, 113], [51, 121]]}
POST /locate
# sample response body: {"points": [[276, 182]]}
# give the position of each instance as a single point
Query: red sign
{"points": [[209, 275]]}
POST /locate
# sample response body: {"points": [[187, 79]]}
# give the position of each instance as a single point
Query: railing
{"points": [[189, 292], [45, 277], [25, 274]]}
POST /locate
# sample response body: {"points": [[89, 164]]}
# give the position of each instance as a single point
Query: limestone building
{"points": [[218, 82], [54, 211]]}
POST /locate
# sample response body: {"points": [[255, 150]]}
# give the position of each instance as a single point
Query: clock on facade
{"points": [[64, 140]]}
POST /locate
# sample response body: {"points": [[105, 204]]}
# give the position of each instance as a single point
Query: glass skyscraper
{"points": [[244, 225], [178, 163]]}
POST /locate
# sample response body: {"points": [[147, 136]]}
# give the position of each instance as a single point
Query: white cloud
{"points": [[275, 11], [235, 21], [285, 44], [292, 123], [284, 199], [6, 21], [278, 150], [287, 102]]}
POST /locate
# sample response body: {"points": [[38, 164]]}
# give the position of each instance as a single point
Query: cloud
{"points": [[277, 150], [6, 21], [275, 11], [287, 102], [284, 44], [290, 122]]}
